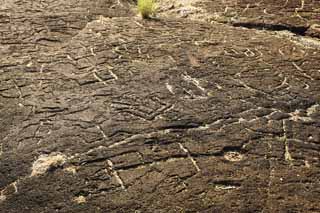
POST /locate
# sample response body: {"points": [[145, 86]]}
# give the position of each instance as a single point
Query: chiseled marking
{"points": [[302, 71], [102, 132], [113, 75], [287, 155], [190, 157], [193, 81], [14, 184], [3, 197], [115, 174], [170, 88]]}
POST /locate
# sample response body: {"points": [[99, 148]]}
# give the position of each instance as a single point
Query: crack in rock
{"points": [[272, 27]]}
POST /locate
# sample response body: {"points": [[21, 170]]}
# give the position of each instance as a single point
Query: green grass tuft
{"points": [[146, 8]]}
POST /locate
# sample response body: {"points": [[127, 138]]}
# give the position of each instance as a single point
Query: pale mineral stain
{"points": [[313, 109]]}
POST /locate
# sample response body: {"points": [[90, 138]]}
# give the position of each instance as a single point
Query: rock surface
{"points": [[213, 110]]}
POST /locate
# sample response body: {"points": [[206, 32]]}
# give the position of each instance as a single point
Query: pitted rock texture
{"points": [[101, 111]]}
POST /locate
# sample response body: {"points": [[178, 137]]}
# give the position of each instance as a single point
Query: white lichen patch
{"points": [[233, 156], [287, 155], [2, 198], [80, 200], [45, 162], [313, 109], [71, 169], [307, 164]]}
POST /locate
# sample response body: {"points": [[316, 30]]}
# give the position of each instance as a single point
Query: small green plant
{"points": [[146, 8]]}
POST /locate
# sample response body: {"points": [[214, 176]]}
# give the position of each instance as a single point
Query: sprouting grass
{"points": [[146, 8]]}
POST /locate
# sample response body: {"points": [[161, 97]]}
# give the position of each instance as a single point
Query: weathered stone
{"points": [[101, 111]]}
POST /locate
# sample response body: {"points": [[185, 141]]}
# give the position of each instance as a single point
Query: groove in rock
{"points": [[298, 30]]}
